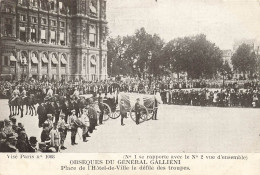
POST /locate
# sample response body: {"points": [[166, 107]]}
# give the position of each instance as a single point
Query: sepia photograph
{"points": [[129, 76]]}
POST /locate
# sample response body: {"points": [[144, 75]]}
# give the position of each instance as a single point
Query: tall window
{"points": [[53, 37], [44, 21], [8, 26], [43, 36], [34, 3], [92, 36], [33, 35], [62, 38], [22, 34], [6, 60], [23, 18], [34, 19], [53, 23], [8, 9], [62, 24], [52, 5]]}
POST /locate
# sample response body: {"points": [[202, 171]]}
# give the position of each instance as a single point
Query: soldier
{"points": [[23, 93], [62, 128], [55, 137], [74, 128], [86, 124], [137, 110], [49, 121], [15, 94]]}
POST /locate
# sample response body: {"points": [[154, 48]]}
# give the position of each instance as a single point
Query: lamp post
{"points": [[23, 64]]}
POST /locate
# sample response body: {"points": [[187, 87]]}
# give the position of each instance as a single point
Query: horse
{"points": [[29, 102], [15, 106]]}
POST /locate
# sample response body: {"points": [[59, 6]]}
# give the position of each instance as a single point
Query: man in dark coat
{"points": [[137, 111], [101, 107], [42, 115], [32, 147], [123, 112]]}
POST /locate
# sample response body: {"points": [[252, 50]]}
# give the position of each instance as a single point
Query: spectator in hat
{"points": [[45, 135], [14, 125], [22, 142], [32, 148], [8, 127], [10, 144]]}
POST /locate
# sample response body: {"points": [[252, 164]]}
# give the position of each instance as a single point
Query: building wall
{"points": [[70, 30]]}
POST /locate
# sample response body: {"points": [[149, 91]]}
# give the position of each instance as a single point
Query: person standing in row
{"points": [[85, 121], [137, 111], [62, 128], [123, 112], [74, 128]]}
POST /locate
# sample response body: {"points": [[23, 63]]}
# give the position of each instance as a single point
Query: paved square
{"points": [[179, 129]]}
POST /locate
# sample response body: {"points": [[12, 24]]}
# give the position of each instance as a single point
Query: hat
{"points": [[73, 110], [138, 99], [62, 115], [33, 140], [49, 115], [13, 119], [20, 125]]}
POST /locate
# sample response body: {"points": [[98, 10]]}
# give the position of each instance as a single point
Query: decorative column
{"points": [[58, 67], [49, 65], [67, 67], [40, 64], [29, 63]]}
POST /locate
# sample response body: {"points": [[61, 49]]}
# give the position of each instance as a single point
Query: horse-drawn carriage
{"points": [[111, 108]]}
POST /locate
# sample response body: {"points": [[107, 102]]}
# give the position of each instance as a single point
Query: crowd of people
{"points": [[13, 137], [57, 116]]}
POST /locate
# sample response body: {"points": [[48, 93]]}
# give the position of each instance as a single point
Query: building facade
{"points": [[58, 39]]}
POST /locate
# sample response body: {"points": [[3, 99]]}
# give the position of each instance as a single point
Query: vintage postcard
{"points": [[130, 87]]}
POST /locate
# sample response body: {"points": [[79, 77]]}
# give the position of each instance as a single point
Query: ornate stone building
{"points": [[59, 39]]}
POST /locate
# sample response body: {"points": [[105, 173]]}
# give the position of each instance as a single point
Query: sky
{"points": [[223, 21]]}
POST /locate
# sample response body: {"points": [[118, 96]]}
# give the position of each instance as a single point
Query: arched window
{"points": [[54, 60], [34, 59], [63, 61]]}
